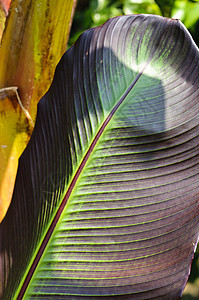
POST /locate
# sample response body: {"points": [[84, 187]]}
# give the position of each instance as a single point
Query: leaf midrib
{"points": [[71, 187]]}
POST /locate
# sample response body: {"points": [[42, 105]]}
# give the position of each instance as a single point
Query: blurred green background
{"points": [[91, 13]]}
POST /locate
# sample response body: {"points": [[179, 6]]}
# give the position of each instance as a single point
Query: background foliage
{"points": [[91, 13]]}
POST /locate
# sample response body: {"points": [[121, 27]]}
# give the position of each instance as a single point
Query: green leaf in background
{"points": [[147, 6], [166, 7], [106, 196], [188, 11]]}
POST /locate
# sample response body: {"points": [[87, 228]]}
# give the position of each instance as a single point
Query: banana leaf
{"points": [[105, 203]]}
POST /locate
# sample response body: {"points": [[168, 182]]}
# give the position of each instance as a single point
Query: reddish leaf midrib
{"points": [[70, 189]]}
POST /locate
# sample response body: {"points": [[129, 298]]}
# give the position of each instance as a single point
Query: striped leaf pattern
{"points": [[106, 197]]}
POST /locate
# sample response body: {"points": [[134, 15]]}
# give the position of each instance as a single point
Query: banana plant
{"points": [[105, 204]]}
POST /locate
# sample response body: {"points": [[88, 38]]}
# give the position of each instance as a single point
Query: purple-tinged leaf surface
{"points": [[106, 197]]}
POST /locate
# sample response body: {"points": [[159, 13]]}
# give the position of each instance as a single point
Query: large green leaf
{"points": [[106, 196]]}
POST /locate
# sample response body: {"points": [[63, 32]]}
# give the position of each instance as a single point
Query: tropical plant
{"points": [[34, 39], [106, 197]]}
